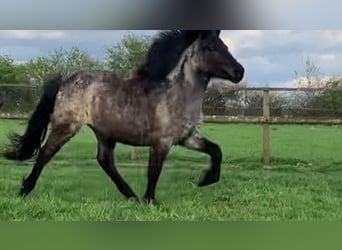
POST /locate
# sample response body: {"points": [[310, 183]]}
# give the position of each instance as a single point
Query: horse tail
{"points": [[27, 146]]}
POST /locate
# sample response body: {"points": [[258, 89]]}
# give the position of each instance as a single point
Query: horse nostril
{"points": [[238, 73]]}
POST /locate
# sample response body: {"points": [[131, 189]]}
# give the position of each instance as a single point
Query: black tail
{"points": [[26, 146]]}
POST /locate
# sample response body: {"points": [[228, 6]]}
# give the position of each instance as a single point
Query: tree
{"points": [[330, 99], [69, 62], [10, 71], [64, 61], [311, 78], [7, 70], [37, 69], [128, 54], [317, 103]]}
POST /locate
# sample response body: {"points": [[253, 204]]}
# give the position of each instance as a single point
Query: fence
{"points": [[18, 100], [317, 105], [264, 106]]}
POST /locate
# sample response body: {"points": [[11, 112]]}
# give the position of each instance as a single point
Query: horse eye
{"points": [[210, 48]]}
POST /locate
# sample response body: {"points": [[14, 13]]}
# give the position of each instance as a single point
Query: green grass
{"points": [[304, 181]]}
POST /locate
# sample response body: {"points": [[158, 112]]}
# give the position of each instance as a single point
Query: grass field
{"points": [[304, 181]]}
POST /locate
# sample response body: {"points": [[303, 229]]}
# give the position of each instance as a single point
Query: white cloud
{"points": [[327, 57], [269, 56], [32, 34], [329, 63], [260, 63], [21, 53], [273, 55], [239, 40]]}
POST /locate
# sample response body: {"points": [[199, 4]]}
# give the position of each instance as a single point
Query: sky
{"points": [[270, 57]]}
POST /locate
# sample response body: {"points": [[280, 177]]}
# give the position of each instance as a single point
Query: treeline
{"points": [[126, 55], [120, 58], [325, 102]]}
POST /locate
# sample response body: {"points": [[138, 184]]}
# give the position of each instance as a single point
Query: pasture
{"points": [[304, 181]]}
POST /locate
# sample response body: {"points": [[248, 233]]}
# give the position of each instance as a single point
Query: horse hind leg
{"points": [[59, 135]]}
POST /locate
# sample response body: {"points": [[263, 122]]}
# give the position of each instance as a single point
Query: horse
{"points": [[158, 107]]}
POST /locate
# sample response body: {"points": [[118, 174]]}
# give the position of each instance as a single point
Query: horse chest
{"points": [[192, 112], [192, 119]]}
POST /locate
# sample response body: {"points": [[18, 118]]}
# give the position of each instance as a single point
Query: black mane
{"points": [[165, 52]]}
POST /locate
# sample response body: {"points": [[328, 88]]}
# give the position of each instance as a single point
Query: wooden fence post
{"points": [[266, 127]]}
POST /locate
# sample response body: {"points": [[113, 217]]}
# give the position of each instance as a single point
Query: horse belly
{"points": [[124, 129]]}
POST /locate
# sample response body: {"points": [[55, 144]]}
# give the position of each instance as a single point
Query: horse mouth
{"points": [[235, 76], [236, 79]]}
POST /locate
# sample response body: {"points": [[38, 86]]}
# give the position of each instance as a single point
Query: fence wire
{"points": [[233, 104]]}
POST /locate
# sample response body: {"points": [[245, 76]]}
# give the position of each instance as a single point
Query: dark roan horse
{"points": [[159, 106]]}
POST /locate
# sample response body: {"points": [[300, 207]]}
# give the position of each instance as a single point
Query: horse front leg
{"points": [[199, 143], [158, 154]]}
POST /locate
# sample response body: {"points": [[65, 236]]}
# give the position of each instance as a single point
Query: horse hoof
{"points": [[209, 178], [22, 193], [150, 201], [133, 199], [26, 188]]}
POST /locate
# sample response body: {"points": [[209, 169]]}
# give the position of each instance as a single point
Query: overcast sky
{"points": [[270, 57]]}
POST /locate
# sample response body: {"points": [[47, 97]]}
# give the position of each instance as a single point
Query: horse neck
{"points": [[193, 79], [188, 79]]}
